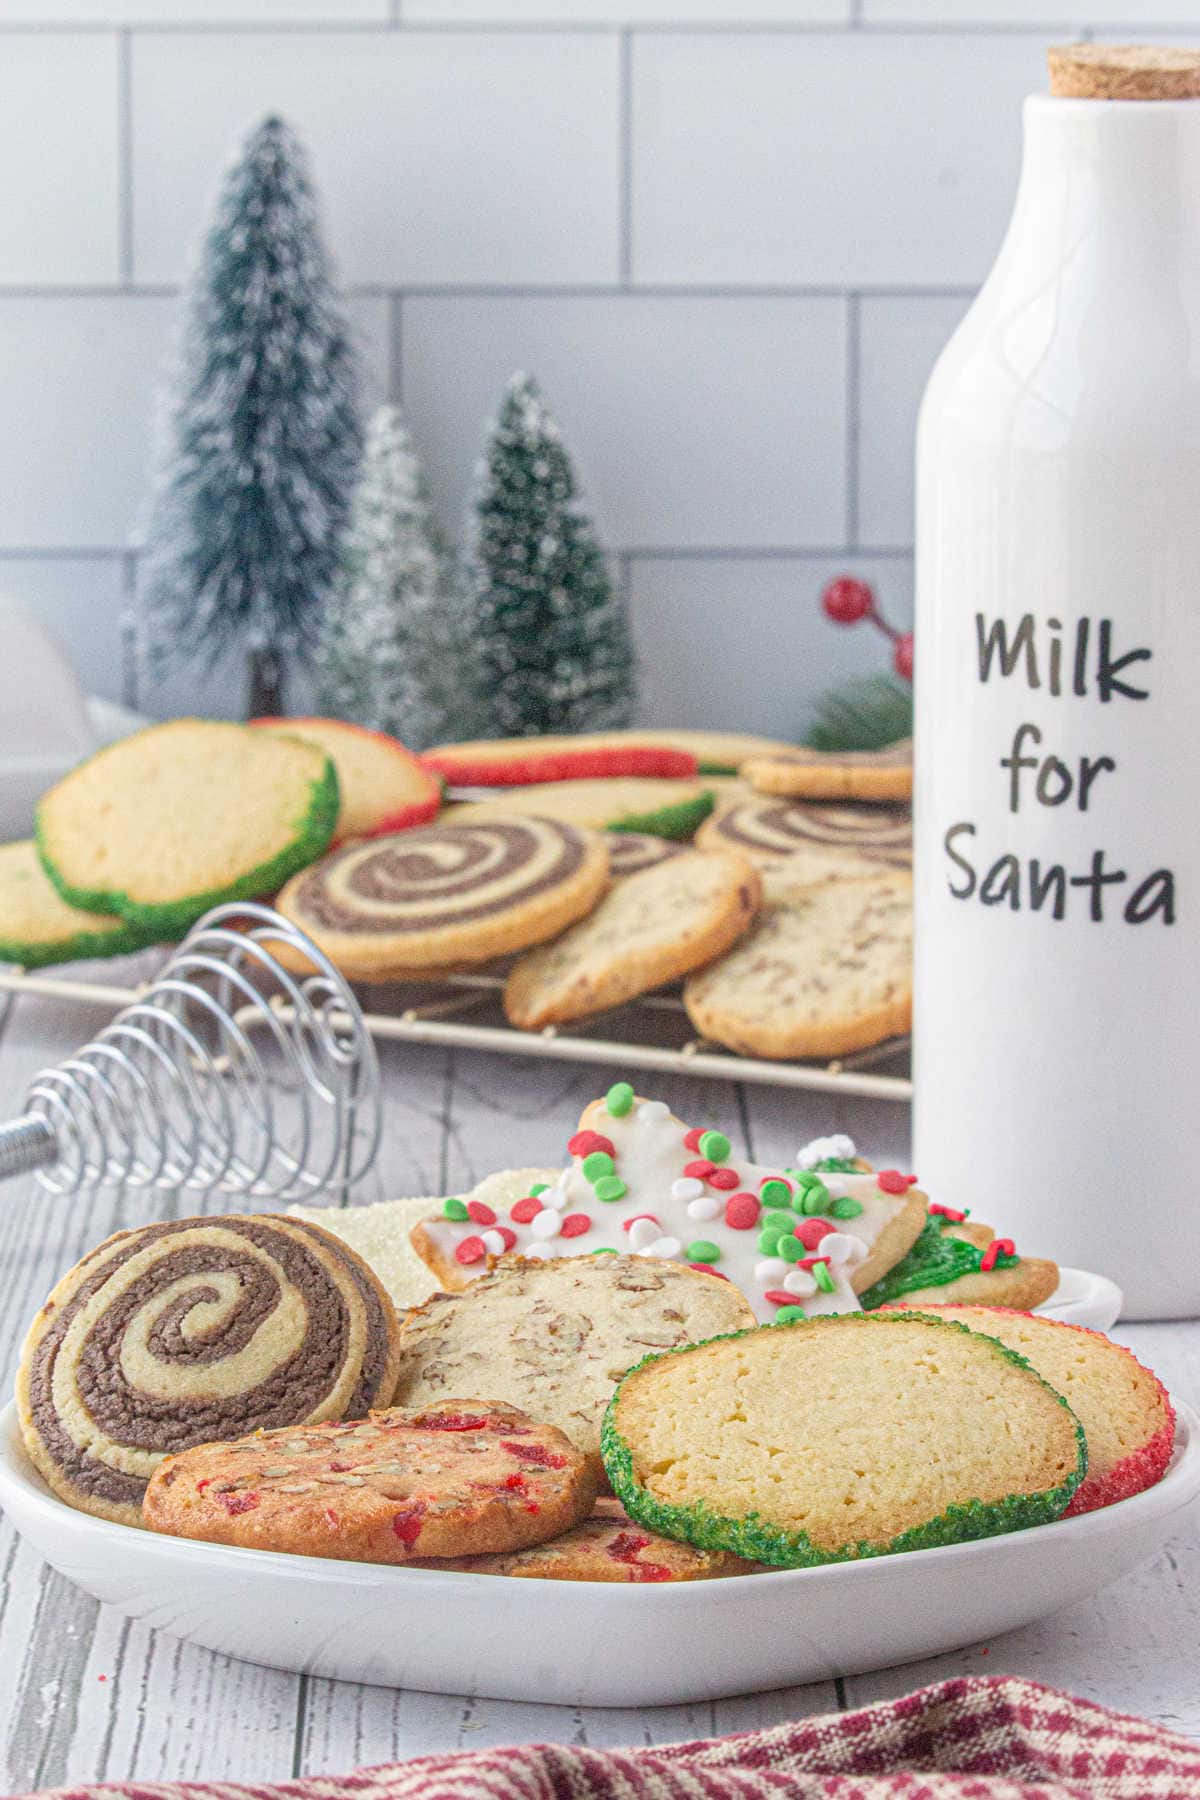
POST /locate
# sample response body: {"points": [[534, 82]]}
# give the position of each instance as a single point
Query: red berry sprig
{"points": [[847, 600]]}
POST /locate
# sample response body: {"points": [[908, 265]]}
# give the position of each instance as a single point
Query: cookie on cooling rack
{"points": [[165, 824], [953, 1437], [649, 929], [629, 852], [446, 894], [814, 841], [179, 1334], [826, 969], [381, 786], [804, 774], [555, 1336], [460, 1478], [37, 926], [1125, 1411], [668, 808]]}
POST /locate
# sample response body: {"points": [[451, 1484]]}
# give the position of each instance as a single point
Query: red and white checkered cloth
{"points": [[977, 1739]]}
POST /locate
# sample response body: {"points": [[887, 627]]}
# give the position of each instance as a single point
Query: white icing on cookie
{"points": [[838, 1148], [670, 1200]]}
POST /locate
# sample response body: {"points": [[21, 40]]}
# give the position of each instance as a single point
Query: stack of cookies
{"points": [[606, 1393]]}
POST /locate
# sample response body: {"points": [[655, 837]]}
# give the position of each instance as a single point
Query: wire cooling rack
{"points": [[463, 1011]]}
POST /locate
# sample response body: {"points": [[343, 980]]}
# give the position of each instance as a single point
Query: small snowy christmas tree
{"points": [[394, 652], [243, 539], [552, 633]]}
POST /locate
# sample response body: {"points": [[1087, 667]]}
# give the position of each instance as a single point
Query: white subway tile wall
{"points": [[729, 236]]}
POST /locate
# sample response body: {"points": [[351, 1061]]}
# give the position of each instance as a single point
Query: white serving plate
{"points": [[1084, 1298], [575, 1643]]}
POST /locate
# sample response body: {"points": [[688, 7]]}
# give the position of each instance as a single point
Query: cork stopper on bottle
{"points": [[1124, 72]]}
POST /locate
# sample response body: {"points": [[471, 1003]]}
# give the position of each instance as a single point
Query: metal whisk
{"points": [[230, 1074]]}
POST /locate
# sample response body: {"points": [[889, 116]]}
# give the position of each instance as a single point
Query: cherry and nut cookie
{"points": [[607, 1547], [461, 1478]]}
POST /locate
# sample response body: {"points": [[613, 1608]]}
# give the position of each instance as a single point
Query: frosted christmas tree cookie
{"points": [[926, 1435], [640, 1180]]}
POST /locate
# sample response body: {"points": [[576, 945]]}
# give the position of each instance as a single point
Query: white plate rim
{"points": [[1179, 1485]]}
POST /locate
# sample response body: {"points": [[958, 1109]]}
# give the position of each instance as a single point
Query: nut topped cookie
{"points": [[457, 1479]]}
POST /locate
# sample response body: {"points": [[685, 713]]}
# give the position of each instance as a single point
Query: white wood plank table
{"points": [[86, 1696]]}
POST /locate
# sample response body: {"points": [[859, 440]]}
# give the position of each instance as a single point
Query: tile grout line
{"points": [[853, 431], [857, 22], [625, 160], [582, 290], [129, 628], [125, 157], [632, 552]]}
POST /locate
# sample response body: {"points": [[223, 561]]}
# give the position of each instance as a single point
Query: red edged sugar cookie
{"points": [[642, 1181], [382, 786], [606, 1548], [1125, 1410], [514, 762], [462, 1478]]}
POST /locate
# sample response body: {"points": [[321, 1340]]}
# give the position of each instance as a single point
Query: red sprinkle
{"points": [[779, 1297], [691, 1139], [584, 1142], [741, 1211], [947, 1212], [537, 1454], [724, 1178], [807, 1262], [449, 1421], [407, 1524], [987, 1261], [509, 1238], [239, 1503], [891, 1181], [699, 1171], [626, 1223], [707, 1269], [811, 1231], [524, 1210], [626, 1545], [575, 1224], [789, 1185], [470, 1250], [482, 1215]]}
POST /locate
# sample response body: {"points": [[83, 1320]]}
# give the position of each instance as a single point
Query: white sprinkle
{"points": [[653, 1109], [839, 1147], [706, 1207], [493, 1242], [770, 1270], [841, 1248], [666, 1248], [686, 1188], [545, 1224], [555, 1196], [800, 1282], [642, 1233]]}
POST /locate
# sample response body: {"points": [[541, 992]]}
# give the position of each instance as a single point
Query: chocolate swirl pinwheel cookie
{"points": [[447, 894], [190, 1333], [834, 840]]}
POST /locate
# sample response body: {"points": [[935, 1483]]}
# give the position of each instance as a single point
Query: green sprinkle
{"points": [[775, 1193], [787, 1315], [846, 1208], [610, 1187], [778, 1221], [791, 1249], [822, 1277], [715, 1146], [539, 1187], [768, 1242], [838, 1165], [813, 1195], [619, 1099], [703, 1250], [456, 1210], [597, 1164], [604, 1250]]}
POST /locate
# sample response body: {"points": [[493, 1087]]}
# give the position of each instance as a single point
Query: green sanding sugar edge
{"points": [[680, 820], [758, 1540]]}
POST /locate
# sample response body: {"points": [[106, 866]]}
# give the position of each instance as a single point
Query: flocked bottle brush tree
{"points": [[243, 540]]}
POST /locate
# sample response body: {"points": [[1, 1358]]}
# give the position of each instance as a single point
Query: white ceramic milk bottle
{"points": [[1057, 983]]}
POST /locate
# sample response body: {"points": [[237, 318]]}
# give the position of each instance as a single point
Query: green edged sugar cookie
{"points": [[666, 808], [165, 824], [37, 926], [837, 1438]]}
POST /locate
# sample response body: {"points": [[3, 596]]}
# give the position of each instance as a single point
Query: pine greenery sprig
{"points": [[867, 714], [242, 544], [555, 647], [395, 651]]}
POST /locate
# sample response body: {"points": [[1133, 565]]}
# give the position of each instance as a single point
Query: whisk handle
{"points": [[26, 1144]]}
